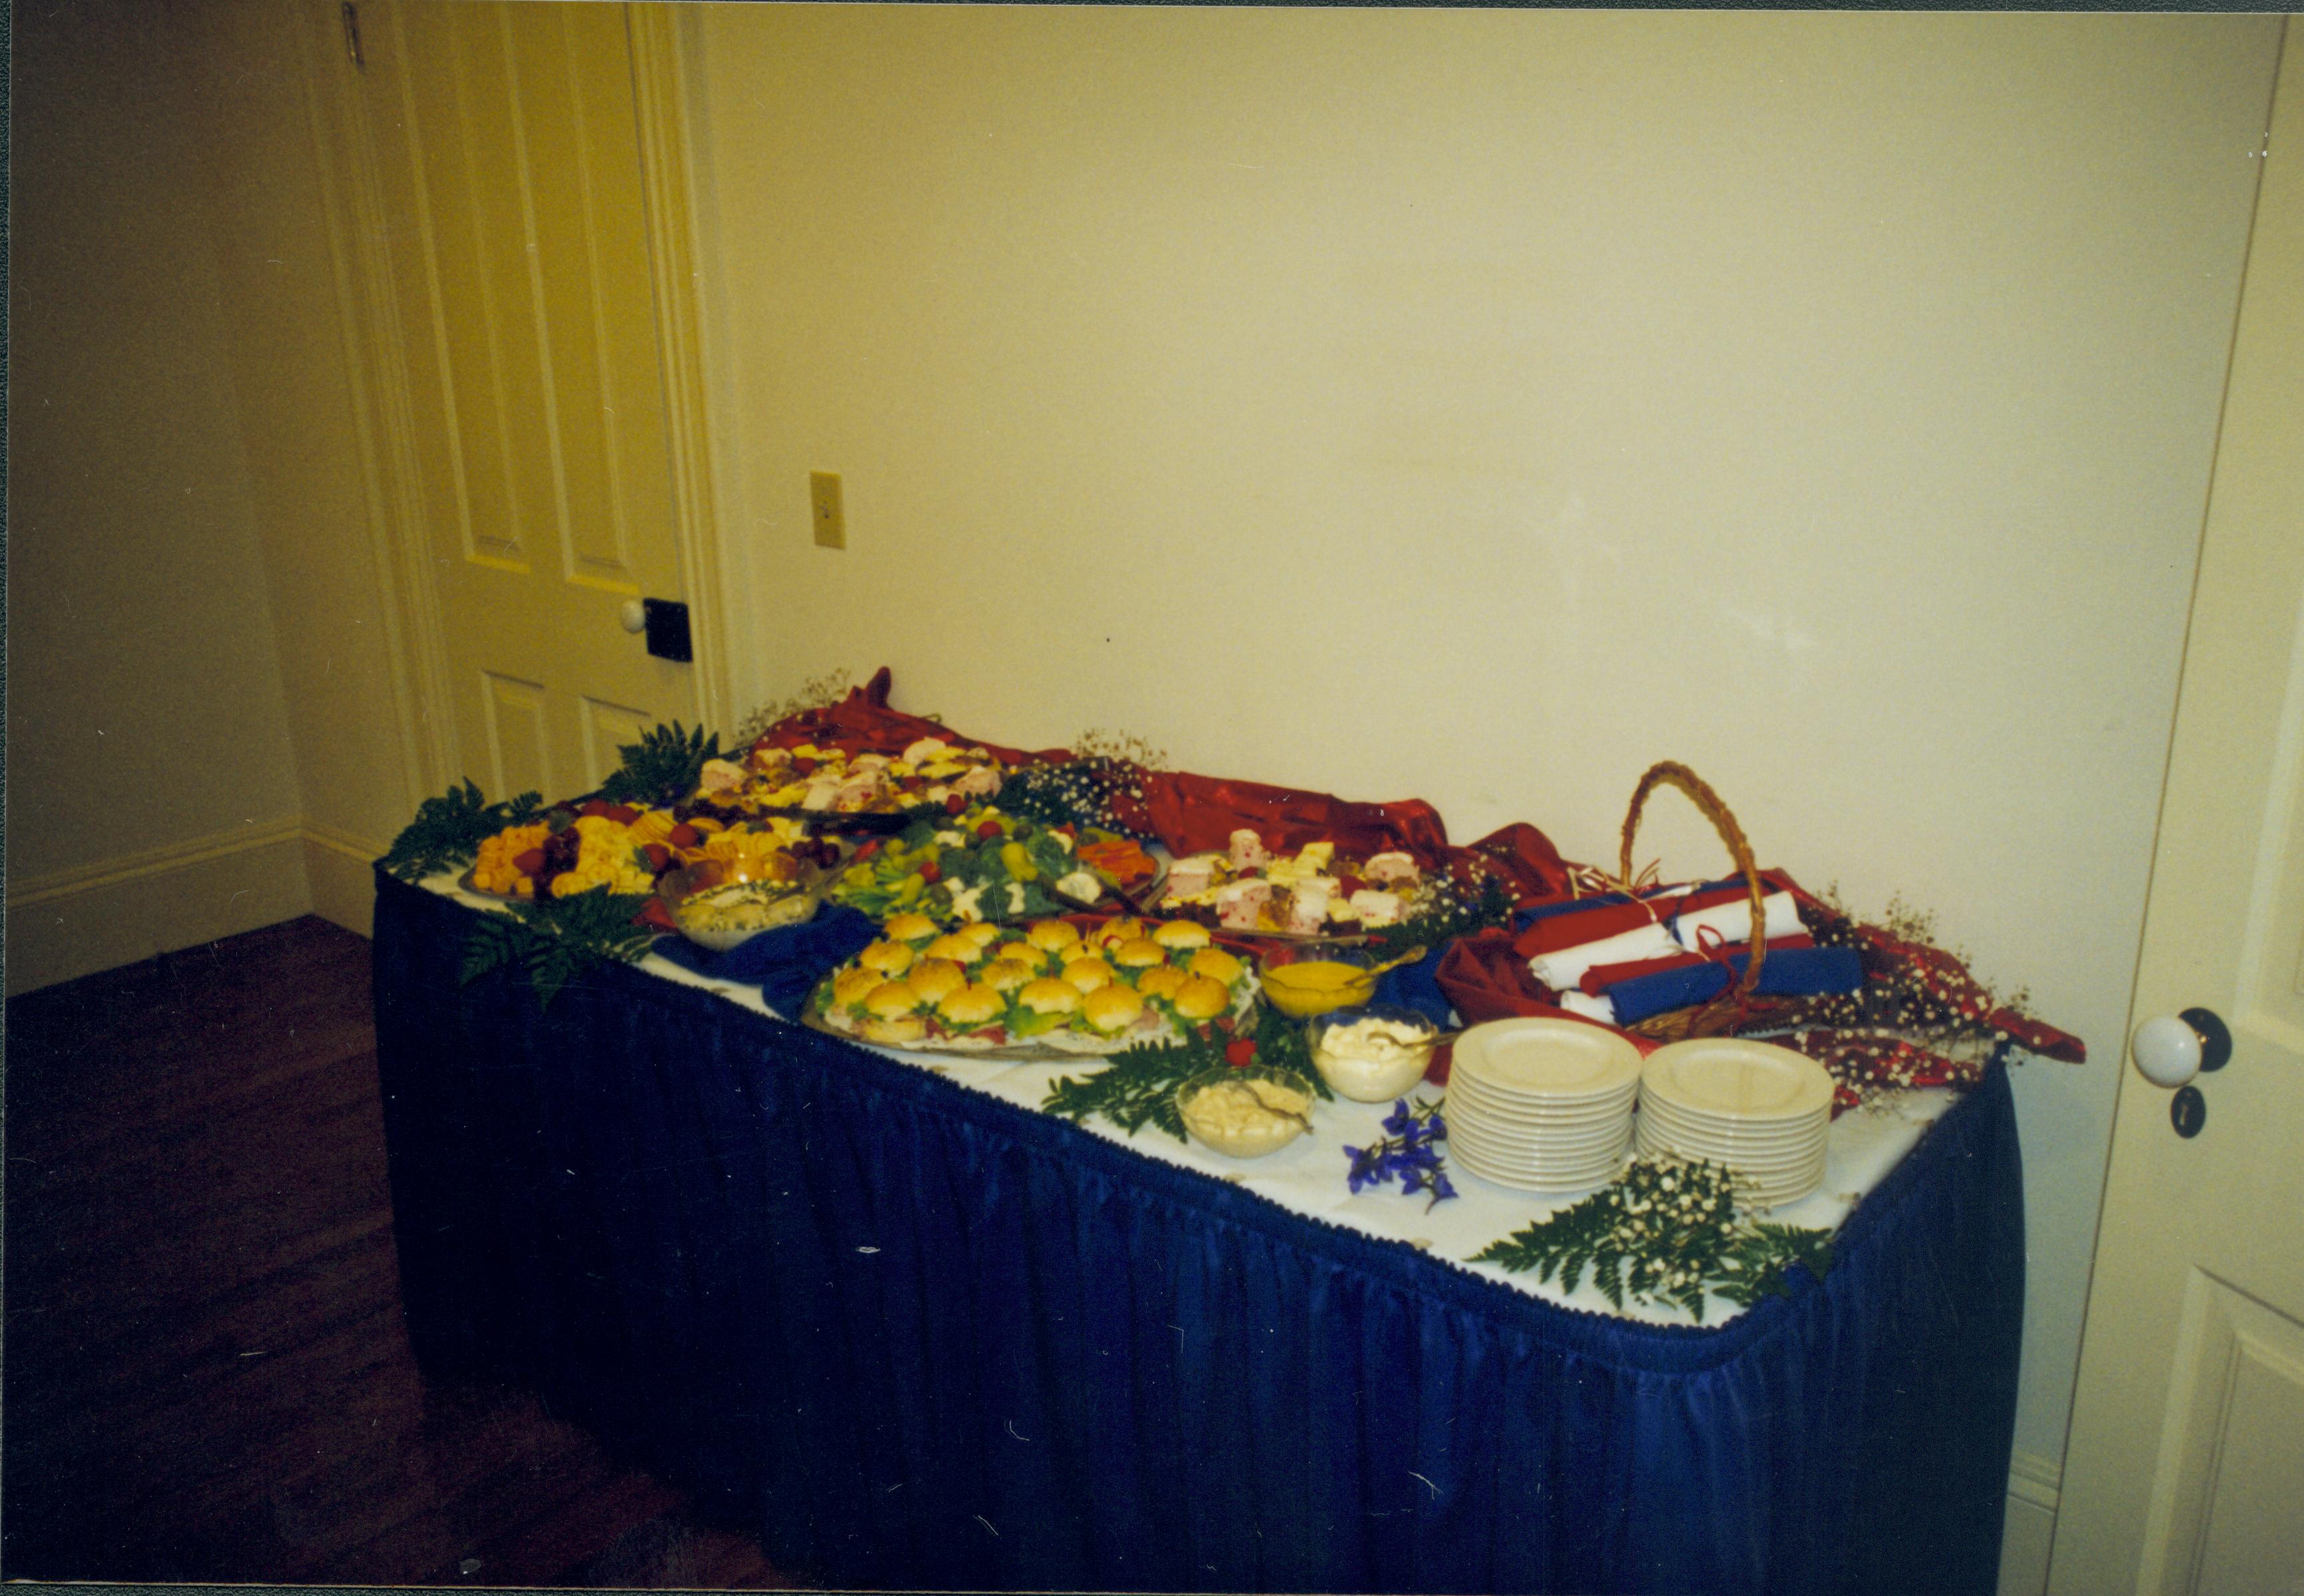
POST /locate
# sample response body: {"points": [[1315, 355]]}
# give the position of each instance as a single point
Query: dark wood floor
{"points": [[207, 1377]]}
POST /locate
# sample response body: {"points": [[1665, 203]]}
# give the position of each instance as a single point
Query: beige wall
{"points": [[263, 66], [1475, 405], [1482, 406], [152, 800]]}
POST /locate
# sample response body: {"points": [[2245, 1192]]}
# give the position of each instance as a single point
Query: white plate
{"points": [[1730, 1078], [1734, 1133], [1621, 1097], [1489, 1101], [1766, 1173], [1567, 1141], [1654, 1129], [1556, 1060], [1586, 1180]]}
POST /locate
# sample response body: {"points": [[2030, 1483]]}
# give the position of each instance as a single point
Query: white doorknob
{"points": [[2167, 1050], [634, 615]]}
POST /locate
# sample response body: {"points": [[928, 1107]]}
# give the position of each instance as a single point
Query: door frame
{"points": [[346, 159]]}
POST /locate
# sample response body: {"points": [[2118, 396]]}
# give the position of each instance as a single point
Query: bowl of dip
{"points": [[1303, 978], [721, 903], [1372, 1054], [1246, 1113]]}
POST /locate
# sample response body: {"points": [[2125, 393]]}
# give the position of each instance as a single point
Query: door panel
{"points": [[511, 185], [2186, 1461]]}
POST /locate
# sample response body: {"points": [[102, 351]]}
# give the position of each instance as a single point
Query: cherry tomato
{"points": [[989, 829], [931, 872]]}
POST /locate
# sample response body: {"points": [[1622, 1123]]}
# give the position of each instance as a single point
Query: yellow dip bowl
{"points": [[1305, 979]]}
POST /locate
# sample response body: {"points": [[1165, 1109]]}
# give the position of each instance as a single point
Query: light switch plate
{"points": [[823, 509]]}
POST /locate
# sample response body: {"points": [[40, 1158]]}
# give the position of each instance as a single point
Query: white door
{"points": [[2185, 1469], [508, 166]]}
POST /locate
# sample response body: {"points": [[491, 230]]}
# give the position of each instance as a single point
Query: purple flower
{"points": [[1407, 1153]]}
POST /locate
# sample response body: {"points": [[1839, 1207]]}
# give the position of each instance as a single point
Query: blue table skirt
{"points": [[919, 1338]]}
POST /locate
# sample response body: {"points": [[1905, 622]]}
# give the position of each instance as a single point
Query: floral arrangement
{"points": [[1410, 1154], [1667, 1230]]}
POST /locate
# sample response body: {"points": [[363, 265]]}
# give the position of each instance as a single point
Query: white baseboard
{"points": [[2034, 1485], [341, 867], [125, 908]]}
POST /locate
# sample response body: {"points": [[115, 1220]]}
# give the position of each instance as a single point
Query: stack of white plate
{"points": [[1762, 1110], [1542, 1105]]}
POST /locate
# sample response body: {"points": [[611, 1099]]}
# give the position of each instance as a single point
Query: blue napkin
{"points": [[1417, 987], [785, 964], [1788, 972]]}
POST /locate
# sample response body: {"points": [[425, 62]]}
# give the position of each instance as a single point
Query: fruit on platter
{"points": [[1107, 985]]}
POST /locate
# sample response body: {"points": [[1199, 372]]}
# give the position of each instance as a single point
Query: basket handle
{"points": [[1670, 773]]}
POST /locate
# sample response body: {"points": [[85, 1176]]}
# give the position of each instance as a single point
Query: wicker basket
{"points": [[1735, 1004]]}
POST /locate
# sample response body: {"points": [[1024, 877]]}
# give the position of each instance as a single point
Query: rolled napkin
{"points": [[1796, 972], [1733, 922], [1563, 970], [1599, 978], [1602, 1009]]}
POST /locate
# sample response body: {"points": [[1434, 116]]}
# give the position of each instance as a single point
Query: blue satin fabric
{"points": [[918, 1337]]}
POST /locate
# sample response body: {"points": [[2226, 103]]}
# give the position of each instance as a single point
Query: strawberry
{"points": [[683, 835], [622, 814], [1239, 1051], [594, 808], [931, 872], [955, 804], [988, 830], [659, 857], [529, 863]]}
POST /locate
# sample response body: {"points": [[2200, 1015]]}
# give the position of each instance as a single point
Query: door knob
{"points": [[633, 614], [2170, 1049]]}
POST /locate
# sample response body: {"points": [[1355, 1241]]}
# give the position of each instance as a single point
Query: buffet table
{"points": [[921, 1337]]}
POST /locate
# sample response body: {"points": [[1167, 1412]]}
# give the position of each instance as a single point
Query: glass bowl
{"points": [[1251, 1129], [1314, 977], [1372, 1053], [722, 903]]}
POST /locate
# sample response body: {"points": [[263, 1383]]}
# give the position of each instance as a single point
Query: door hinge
{"points": [[352, 35]]}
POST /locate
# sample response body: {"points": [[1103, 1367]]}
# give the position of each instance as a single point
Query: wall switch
{"points": [[823, 509]]}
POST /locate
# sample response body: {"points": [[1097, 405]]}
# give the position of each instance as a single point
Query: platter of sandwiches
{"points": [[1052, 989]]}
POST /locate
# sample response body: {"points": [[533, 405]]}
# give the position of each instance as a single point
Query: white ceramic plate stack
{"points": [[1542, 1105], [1762, 1110]]}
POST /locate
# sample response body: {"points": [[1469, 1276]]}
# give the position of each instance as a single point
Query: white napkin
{"points": [[1602, 1008], [1733, 922], [1562, 969]]}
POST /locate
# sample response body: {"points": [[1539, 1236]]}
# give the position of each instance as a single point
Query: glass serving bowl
{"points": [[1314, 977], [722, 903], [1223, 1108], [1372, 1053]]}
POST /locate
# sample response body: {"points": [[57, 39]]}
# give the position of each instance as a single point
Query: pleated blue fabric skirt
{"points": [[918, 1337]]}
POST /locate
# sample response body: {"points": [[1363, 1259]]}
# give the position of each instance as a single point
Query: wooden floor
{"points": [[206, 1376]]}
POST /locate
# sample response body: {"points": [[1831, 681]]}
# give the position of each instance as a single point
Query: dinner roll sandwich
{"points": [[1200, 999], [914, 928], [892, 1014], [959, 949], [891, 959], [1112, 1009], [1046, 1005], [935, 980], [971, 1008], [1053, 936], [1181, 935], [1141, 953]]}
